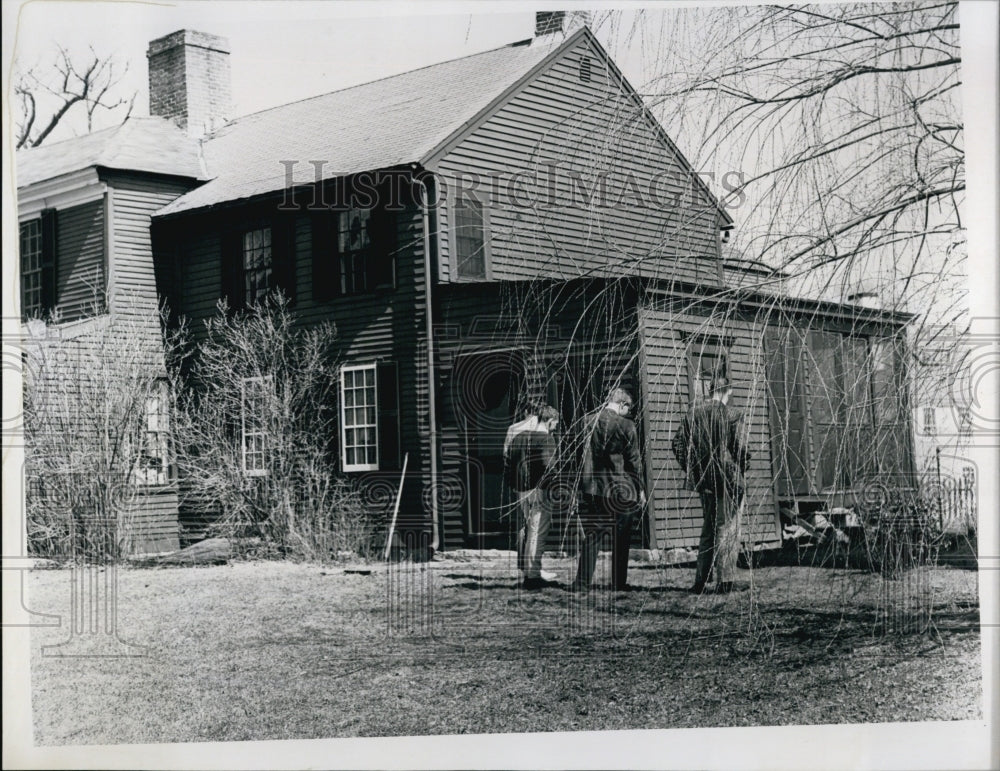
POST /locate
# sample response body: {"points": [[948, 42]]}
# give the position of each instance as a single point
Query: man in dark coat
{"points": [[710, 449], [612, 494], [529, 456]]}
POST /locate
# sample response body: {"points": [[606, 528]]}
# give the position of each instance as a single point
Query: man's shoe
{"points": [[578, 588], [537, 582], [698, 588]]}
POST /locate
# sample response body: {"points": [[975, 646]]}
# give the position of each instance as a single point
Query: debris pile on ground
{"points": [[212, 551], [819, 527]]}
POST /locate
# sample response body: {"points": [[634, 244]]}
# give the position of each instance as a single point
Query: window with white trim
{"points": [[253, 425], [470, 238], [31, 268], [257, 265], [359, 418], [154, 460]]}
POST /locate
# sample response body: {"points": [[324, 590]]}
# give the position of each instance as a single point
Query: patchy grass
{"points": [[280, 650]]}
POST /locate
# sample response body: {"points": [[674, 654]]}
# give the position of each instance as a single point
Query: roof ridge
{"points": [[516, 44], [108, 130]]}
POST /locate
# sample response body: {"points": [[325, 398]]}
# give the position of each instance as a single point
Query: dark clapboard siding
{"points": [[80, 269], [588, 128], [666, 330], [382, 326], [134, 199], [574, 336], [153, 517]]}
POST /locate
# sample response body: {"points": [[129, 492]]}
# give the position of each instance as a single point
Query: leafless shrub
{"points": [[255, 417], [89, 455]]}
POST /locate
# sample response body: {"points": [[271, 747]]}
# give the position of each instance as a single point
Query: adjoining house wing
{"points": [[153, 145]]}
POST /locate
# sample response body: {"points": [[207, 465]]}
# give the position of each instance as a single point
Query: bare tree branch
{"points": [[91, 83]]}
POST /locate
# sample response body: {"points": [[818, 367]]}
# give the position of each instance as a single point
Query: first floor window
{"points": [[707, 361], [253, 425], [154, 460], [257, 265], [359, 418], [31, 268], [930, 422]]}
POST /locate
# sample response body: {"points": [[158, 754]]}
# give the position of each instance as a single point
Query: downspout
{"points": [[426, 183]]}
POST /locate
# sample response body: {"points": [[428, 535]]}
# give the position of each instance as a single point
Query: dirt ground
{"points": [[272, 650]]}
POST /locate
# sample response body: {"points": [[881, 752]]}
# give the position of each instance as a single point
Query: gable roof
{"points": [[152, 145], [382, 124], [404, 119]]}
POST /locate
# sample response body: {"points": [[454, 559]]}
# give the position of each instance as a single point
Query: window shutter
{"points": [[388, 417], [232, 268], [284, 254], [382, 265], [324, 256], [50, 249]]}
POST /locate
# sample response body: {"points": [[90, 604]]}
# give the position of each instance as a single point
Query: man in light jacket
{"points": [[529, 461]]}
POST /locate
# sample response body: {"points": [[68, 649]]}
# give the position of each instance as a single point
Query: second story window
{"points": [[32, 304], [257, 265], [470, 238], [354, 247], [258, 252], [354, 251]]}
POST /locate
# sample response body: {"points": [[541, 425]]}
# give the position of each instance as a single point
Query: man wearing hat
{"points": [[710, 449]]}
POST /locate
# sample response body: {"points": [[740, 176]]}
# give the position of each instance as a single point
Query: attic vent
{"points": [[585, 69]]}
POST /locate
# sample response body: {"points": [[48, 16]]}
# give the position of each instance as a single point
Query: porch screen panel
{"points": [[825, 400], [891, 447], [858, 433]]}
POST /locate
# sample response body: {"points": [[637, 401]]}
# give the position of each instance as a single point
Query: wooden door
{"points": [[490, 386]]}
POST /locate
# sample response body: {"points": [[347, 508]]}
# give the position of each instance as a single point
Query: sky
{"points": [[281, 51]]}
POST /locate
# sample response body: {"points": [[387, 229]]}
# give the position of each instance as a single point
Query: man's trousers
{"points": [[536, 519], [602, 516], [720, 537]]}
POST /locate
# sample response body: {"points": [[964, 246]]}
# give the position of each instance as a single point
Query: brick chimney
{"points": [[189, 80], [560, 22]]}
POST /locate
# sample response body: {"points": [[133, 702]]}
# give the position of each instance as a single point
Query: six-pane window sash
{"points": [[470, 238], [32, 303], [707, 361], [354, 251], [257, 265], [154, 462], [359, 418]]}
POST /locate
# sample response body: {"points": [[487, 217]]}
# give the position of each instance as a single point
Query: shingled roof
{"points": [[153, 145], [382, 124]]}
